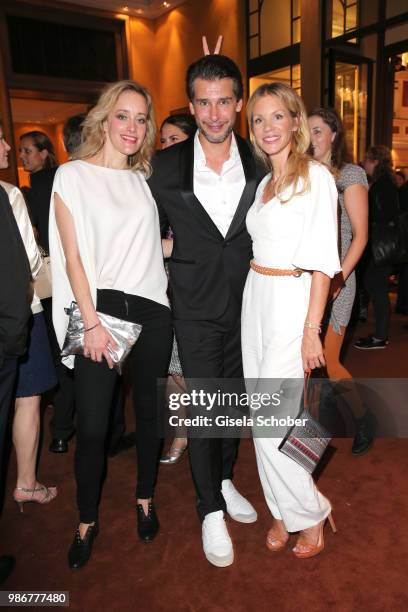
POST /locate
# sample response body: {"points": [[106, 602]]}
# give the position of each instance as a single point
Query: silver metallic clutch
{"points": [[123, 332]]}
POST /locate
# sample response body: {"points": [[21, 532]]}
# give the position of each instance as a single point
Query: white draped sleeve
{"points": [[62, 294], [318, 246]]}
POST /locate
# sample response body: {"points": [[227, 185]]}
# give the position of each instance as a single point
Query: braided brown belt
{"points": [[275, 271]]}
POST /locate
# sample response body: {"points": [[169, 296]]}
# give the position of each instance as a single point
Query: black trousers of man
{"points": [[211, 350], [8, 373]]}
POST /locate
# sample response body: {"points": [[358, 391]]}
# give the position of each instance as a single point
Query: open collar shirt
{"points": [[219, 194]]}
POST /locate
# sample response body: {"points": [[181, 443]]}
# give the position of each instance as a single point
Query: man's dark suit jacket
{"points": [[207, 271], [15, 278], [39, 197]]}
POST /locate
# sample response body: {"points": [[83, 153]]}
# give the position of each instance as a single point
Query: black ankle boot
{"points": [[365, 429], [147, 524], [81, 549]]}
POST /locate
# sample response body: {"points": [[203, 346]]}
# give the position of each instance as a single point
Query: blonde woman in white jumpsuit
{"points": [[293, 225]]}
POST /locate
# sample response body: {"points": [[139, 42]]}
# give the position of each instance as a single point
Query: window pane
{"points": [[351, 18], [49, 49], [337, 18], [396, 34], [282, 75], [296, 78], [253, 24], [254, 47], [296, 8], [296, 31], [400, 119], [351, 103], [396, 7], [276, 25]]}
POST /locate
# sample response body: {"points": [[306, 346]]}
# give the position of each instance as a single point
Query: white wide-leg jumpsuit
{"points": [[299, 233]]}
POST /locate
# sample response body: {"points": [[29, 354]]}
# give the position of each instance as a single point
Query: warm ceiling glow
{"points": [[125, 8]]}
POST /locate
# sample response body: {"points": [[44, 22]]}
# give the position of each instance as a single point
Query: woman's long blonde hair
{"points": [[297, 164], [93, 134]]}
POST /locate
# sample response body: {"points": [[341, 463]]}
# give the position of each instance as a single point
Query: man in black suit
{"points": [[204, 187], [15, 300]]}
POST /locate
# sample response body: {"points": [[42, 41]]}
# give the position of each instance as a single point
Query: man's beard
{"points": [[216, 139]]}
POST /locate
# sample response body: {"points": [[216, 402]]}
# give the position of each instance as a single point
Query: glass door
{"points": [[350, 93], [400, 112]]}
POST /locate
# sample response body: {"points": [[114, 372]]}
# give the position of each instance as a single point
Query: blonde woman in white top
{"points": [[293, 225], [106, 254]]}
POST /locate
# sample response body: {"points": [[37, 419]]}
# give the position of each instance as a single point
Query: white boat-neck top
{"points": [[118, 234]]}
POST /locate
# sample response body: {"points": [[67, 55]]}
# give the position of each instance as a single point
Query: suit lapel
{"points": [[187, 188], [247, 196]]}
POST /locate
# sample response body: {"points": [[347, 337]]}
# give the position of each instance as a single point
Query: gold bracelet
{"points": [[311, 325]]}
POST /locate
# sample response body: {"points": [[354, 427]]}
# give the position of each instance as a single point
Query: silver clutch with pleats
{"points": [[123, 332]]}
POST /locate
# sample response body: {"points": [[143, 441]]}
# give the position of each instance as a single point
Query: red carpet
{"points": [[364, 566]]}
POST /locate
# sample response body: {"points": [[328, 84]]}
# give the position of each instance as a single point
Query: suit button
{"points": [[226, 244]]}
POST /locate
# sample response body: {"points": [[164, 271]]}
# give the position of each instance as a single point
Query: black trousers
{"points": [[62, 423], [94, 389], [210, 349], [8, 373], [376, 283]]}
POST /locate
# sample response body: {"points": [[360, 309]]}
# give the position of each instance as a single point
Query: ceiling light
{"points": [[125, 8], [166, 4]]}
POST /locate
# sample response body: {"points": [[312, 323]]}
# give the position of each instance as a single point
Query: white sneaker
{"points": [[217, 544], [238, 507]]}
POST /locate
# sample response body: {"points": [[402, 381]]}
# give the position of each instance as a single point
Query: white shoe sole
{"points": [[220, 561], [244, 518]]}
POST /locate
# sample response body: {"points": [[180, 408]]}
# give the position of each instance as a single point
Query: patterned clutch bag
{"points": [[124, 333], [306, 443]]}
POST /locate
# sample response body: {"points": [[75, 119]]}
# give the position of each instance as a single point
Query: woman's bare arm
{"points": [[356, 204], [167, 247], [312, 350]]}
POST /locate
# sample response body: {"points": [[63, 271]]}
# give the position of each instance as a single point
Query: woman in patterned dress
{"points": [[173, 130], [329, 147]]}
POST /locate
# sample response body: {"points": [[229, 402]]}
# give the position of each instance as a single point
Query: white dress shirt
{"points": [[219, 194]]}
